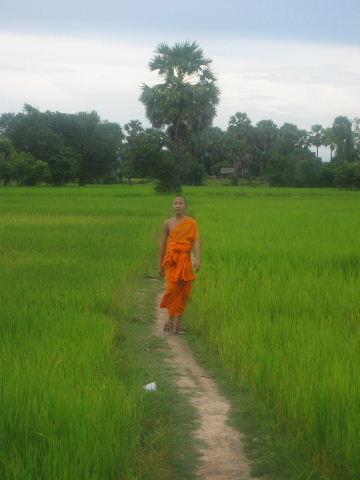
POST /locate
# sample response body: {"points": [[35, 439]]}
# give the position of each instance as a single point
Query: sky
{"points": [[283, 60]]}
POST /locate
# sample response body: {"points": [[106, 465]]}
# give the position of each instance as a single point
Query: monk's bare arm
{"points": [[197, 255], [163, 242]]}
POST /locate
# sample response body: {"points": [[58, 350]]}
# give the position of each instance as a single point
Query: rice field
{"points": [[70, 264], [277, 300]]}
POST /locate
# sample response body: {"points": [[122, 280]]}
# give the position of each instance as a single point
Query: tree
{"points": [[194, 170], [63, 164], [280, 170], [128, 148], [308, 172], [30, 132], [291, 149], [356, 136], [28, 171], [265, 139], [327, 175], [317, 137], [133, 129], [185, 103], [145, 153], [290, 139], [344, 139], [75, 146], [347, 174], [95, 143], [238, 144], [6, 152], [208, 148], [142, 150], [330, 141]]}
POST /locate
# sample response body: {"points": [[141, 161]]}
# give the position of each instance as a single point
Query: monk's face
{"points": [[179, 206]]}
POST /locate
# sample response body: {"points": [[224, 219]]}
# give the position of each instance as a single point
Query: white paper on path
{"points": [[150, 386]]}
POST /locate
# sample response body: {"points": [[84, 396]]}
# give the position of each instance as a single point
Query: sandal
{"points": [[168, 327], [179, 329]]}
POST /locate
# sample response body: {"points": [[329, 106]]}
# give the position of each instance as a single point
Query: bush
{"points": [[347, 175], [327, 175], [28, 171], [280, 170], [308, 172]]}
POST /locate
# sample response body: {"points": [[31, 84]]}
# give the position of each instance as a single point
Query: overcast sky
{"points": [[289, 61]]}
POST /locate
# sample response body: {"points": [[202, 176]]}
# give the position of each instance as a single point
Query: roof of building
{"points": [[226, 170]]}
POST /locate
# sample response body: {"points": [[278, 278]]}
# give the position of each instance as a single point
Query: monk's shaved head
{"points": [[182, 197]]}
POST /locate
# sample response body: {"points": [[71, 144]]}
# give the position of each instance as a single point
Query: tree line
{"points": [[281, 156], [57, 148], [182, 146]]}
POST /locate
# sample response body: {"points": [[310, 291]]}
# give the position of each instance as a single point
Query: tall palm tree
{"points": [[185, 103], [238, 143], [330, 141], [317, 137]]}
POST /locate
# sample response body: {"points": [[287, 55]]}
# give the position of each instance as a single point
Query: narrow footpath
{"points": [[222, 455]]}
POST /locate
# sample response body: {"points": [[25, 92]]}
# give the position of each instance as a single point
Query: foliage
{"points": [[21, 167], [145, 154], [6, 165], [28, 171], [208, 147], [343, 139], [264, 142], [166, 166], [329, 140], [280, 170], [142, 151], [327, 175], [75, 146], [185, 103], [179, 148], [347, 174], [356, 136], [194, 171], [308, 172], [316, 137], [290, 162], [238, 144]]}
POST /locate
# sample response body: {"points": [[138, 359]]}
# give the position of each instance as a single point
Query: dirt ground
{"points": [[222, 453]]}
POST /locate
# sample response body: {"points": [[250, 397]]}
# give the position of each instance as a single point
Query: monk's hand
{"points": [[196, 265]]}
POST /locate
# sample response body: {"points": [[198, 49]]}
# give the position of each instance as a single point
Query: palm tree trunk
{"points": [[179, 161]]}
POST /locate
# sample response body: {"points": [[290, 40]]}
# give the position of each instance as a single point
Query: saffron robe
{"points": [[178, 266]]}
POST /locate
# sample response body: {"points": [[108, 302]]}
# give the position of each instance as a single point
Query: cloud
{"points": [[336, 21], [72, 74], [296, 82]]}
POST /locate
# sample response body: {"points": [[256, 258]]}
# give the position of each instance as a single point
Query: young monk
{"points": [[179, 236]]}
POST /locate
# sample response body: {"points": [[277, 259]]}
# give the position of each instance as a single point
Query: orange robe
{"points": [[178, 267]]}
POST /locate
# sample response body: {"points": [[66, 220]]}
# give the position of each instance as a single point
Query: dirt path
{"points": [[222, 456]]}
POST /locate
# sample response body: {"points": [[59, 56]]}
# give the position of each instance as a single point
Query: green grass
{"points": [[74, 353], [276, 305], [166, 448]]}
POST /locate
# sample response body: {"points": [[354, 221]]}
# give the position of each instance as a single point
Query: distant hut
{"points": [[226, 172]]}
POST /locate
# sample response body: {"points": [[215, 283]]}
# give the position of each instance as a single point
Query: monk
{"points": [[180, 236]]}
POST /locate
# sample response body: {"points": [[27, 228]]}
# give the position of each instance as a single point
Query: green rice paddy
{"points": [[71, 260], [277, 300]]}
